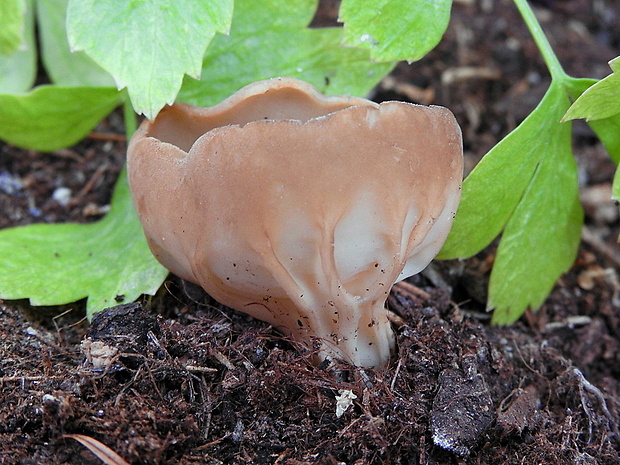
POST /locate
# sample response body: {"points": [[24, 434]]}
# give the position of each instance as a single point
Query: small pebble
{"points": [[9, 184], [62, 195]]}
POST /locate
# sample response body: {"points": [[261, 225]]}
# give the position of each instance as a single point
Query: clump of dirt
{"points": [[179, 379]]}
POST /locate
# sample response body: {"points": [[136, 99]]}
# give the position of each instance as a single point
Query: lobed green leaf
{"points": [[526, 186], [53, 264], [12, 15], [496, 185], [602, 100], [19, 68], [395, 29], [541, 239], [51, 117], [65, 68], [270, 39], [607, 129], [153, 45]]}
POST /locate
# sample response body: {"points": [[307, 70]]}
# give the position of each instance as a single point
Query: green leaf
{"points": [[541, 239], [52, 117], [606, 129], [496, 185], [526, 186], [270, 38], [600, 101], [65, 68], [147, 45], [18, 70], [12, 13], [53, 264], [395, 29]]}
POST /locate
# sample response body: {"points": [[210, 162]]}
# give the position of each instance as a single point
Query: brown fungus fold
{"points": [[300, 209]]}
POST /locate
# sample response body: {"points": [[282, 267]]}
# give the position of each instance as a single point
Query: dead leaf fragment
{"points": [[103, 452]]}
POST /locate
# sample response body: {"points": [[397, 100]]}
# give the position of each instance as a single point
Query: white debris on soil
{"points": [[99, 355], [62, 195], [343, 401]]}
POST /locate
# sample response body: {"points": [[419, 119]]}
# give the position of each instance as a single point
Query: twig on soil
{"points": [[220, 357], [72, 325], [213, 443], [587, 386], [416, 94], [597, 244], [90, 184], [59, 329], [396, 373], [196, 369], [8, 379], [408, 288], [465, 73], [67, 153], [153, 339]]}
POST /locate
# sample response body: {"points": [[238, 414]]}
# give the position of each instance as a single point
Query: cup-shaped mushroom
{"points": [[299, 209]]}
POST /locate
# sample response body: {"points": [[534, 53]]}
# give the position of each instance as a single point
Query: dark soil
{"points": [[179, 379]]}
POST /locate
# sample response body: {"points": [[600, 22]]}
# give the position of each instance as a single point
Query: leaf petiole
{"points": [[551, 60]]}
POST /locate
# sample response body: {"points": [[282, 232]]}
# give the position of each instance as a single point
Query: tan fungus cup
{"points": [[300, 209]]}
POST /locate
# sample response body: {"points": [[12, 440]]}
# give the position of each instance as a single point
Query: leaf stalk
{"points": [[551, 60]]}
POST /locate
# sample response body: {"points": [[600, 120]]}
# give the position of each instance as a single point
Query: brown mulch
{"points": [[179, 379]]}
